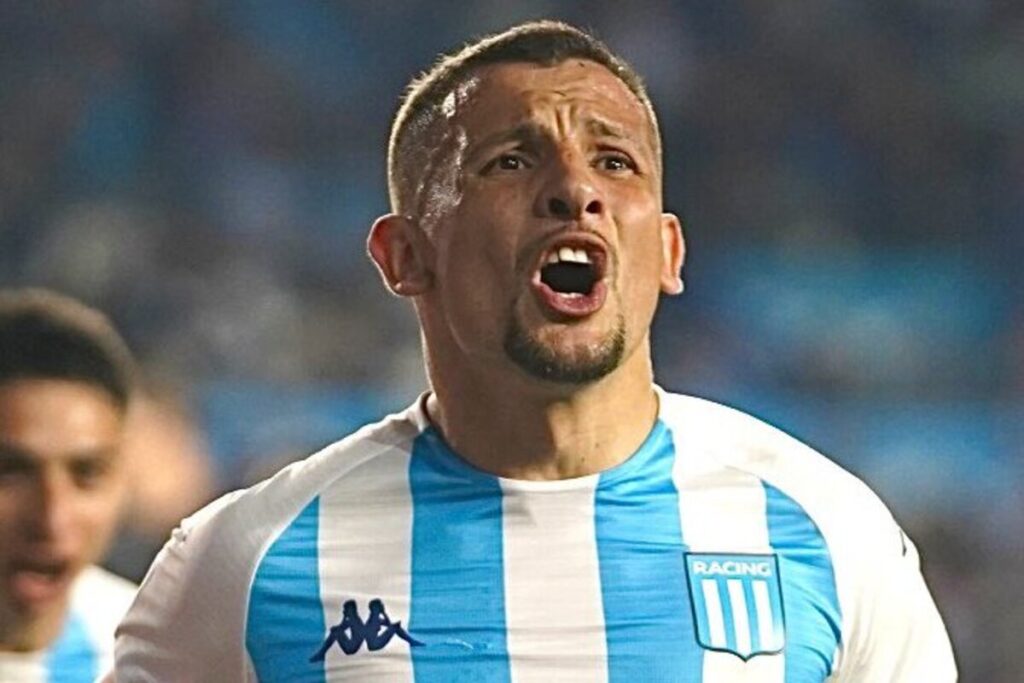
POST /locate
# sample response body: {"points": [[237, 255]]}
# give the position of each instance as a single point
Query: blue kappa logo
{"points": [[351, 632]]}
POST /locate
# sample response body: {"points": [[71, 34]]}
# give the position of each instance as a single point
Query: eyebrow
{"points": [[530, 131], [9, 451], [523, 132], [12, 454], [608, 129]]}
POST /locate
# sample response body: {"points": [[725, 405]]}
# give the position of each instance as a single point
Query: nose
{"points": [[51, 513], [569, 192]]}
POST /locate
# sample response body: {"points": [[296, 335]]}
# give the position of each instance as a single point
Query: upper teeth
{"points": [[568, 254]]}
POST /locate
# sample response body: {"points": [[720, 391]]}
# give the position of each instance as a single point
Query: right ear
{"points": [[402, 254]]}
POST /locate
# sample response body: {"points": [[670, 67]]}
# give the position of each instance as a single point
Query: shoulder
{"points": [[847, 512], [97, 586], [890, 627], [252, 516], [193, 604], [100, 599], [246, 522]]}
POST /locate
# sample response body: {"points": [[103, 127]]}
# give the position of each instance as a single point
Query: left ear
{"points": [[673, 253]]}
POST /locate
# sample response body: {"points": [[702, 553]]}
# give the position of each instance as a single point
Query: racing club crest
{"points": [[737, 603]]}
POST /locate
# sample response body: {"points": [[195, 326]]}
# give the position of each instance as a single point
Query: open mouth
{"points": [[569, 271], [569, 282], [38, 581]]}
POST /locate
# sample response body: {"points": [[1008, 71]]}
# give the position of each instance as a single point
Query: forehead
{"points": [[45, 416], [578, 91]]}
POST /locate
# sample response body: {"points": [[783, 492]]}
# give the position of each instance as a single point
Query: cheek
{"points": [[19, 507], [478, 261], [641, 263], [640, 234], [101, 508], [99, 519], [8, 526]]}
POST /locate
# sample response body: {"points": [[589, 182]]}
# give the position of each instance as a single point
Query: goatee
{"points": [[576, 367]]}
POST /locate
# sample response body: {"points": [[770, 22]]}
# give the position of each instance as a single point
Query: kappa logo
{"points": [[351, 632], [737, 603]]}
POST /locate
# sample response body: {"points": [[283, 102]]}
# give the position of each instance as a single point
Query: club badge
{"points": [[737, 603]]}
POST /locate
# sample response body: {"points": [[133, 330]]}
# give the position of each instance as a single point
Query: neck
{"points": [[519, 427], [20, 633]]}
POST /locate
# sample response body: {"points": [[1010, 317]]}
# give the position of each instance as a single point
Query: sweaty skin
{"points": [[552, 154], [439, 190]]}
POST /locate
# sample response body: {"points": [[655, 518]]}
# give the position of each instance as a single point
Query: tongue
{"points": [[570, 305]]}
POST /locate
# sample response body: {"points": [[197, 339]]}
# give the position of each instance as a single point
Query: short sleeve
{"points": [[187, 620], [897, 634]]}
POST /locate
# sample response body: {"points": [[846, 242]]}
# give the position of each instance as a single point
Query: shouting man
{"points": [[544, 512]]}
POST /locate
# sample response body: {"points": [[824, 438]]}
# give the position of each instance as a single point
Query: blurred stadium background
{"points": [[851, 174]]}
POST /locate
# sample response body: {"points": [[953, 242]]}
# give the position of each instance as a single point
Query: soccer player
{"points": [[544, 512], [65, 382]]}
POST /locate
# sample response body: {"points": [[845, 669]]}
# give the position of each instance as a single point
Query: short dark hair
{"points": [[44, 335], [545, 43]]}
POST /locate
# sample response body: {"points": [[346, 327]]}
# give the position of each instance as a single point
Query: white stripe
{"points": [[740, 620], [722, 510], [725, 667], [366, 530], [713, 607], [24, 668], [100, 599], [553, 612], [765, 626]]}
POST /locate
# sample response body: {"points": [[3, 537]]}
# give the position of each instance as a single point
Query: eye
{"points": [[616, 162], [89, 472], [14, 467], [508, 161]]}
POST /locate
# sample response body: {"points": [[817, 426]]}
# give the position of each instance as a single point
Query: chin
{"points": [[564, 360]]}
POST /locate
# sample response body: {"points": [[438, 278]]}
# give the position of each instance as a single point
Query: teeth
{"points": [[569, 255]]}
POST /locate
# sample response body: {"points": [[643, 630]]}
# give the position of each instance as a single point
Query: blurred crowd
{"points": [[851, 175]]}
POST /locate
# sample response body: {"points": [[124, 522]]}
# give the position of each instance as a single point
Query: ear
{"points": [[402, 254], [673, 253]]}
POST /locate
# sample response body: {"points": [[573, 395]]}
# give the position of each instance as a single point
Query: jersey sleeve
{"points": [[187, 620], [897, 633]]}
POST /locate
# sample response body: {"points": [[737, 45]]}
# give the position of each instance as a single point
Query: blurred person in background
{"points": [[66, 380], [544, 512]]}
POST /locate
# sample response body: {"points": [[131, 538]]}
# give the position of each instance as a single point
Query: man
{"points": [[65, 381], [544, 512]]}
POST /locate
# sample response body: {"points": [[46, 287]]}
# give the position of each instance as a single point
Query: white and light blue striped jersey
{"points": [[721, 551], [85, 647]]}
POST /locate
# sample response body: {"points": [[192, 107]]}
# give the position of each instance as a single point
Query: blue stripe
{"points": [[72, 658], [809, 600], [648, 625], [285, 625], [778, 617], [458, 576]]}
